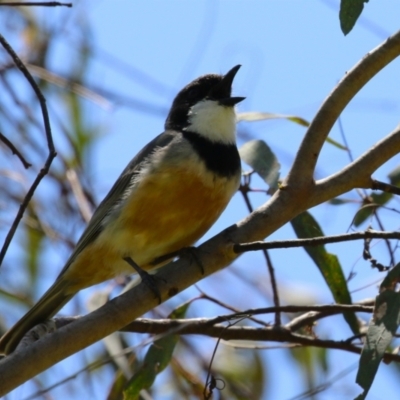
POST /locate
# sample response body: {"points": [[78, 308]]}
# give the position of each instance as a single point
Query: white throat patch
{"points": [[213, 121]]}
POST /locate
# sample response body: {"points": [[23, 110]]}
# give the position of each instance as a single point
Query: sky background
{"points": [[292, 55]]}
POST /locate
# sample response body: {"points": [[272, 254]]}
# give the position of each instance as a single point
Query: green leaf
{"points": [[391, 279], [335, 143], [338, 202], [305, 227], [381, 331], [253, 116], [260, 157], [156, 360], [367, 209], [349, 12]]}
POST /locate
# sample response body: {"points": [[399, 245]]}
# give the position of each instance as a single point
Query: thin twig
{"points": [[283, 244], [210, 380], [70, 84], [205, 296], [368, 257], [83, 203], [51, 155], [244, 189], [14, 151]]}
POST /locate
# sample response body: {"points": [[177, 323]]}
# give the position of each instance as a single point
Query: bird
{"points": [[165, 200]]}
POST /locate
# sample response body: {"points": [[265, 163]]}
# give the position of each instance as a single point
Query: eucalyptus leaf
{"points": [[260, 157]]}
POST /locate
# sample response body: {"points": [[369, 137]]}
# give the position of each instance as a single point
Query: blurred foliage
{"points": [[36, 38], [311, 360]]}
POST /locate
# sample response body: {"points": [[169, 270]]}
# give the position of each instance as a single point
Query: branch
{"points": [[14, 150], [283, 244], [385, 187], [358, 173], [244, 189], [274, 334], [201, 325], [51, 155], [302, 171], [309, 318]]}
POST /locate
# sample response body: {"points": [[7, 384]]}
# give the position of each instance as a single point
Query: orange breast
{"points": [[164, 213]]}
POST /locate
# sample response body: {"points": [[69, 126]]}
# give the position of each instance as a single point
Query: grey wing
{"points": [[115, 194]]}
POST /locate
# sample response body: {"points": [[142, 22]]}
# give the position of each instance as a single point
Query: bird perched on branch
{"points": [[167, 197]]}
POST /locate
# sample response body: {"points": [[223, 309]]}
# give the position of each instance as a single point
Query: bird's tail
{"points": [[50, 303]]}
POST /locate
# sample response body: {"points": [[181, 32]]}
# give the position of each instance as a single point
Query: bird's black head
{"points": [[212, 87]]}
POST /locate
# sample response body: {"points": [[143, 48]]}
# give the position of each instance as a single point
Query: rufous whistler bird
{"points": [[167, 197]]}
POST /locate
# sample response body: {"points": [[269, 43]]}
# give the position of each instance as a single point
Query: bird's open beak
{"points": [[222, 91]]}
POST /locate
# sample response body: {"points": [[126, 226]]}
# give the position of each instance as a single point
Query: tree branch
{"points": [[302, 171], [358, 173], [15, 151], [284, 244], [385, 187], [201, 325]]}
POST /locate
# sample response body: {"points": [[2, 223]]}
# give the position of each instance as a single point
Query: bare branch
{"points": [[385, 187], [70, 84], [14, 150], [196, 325], [51, 155], [83, 203], [200, 325], [244, 189], [302, 171], [284, 244], [358, 173]]}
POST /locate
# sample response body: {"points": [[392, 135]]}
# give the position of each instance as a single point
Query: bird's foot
{"points": [[148, 279]]}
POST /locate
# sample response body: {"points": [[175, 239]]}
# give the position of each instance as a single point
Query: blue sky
{"points": [[292, 54]]}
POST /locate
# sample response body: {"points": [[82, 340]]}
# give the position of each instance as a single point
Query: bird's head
{"points": [[205, 107]]}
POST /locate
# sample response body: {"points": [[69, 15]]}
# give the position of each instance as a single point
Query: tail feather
{"points": [[51, 302]]}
